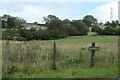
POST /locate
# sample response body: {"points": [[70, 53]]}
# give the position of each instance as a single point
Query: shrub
{"points": [[21, 39], [95, 29]]}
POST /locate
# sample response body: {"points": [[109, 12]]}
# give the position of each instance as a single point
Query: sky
{"points": [[35, 10]]}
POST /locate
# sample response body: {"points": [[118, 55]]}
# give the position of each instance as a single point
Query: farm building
{"points": [[34, 25]]}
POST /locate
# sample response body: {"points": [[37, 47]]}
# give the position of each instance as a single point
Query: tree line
{"points": [[13, 28]]}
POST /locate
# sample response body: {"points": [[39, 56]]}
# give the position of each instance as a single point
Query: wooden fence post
{"points": [[54, 56], [7, 55]]}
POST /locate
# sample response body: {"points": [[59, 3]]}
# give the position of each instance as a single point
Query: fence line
{"points": [[26, 54]]}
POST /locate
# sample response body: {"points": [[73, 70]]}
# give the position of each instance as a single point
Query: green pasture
{"points": [[34, 59], [70, 73]]}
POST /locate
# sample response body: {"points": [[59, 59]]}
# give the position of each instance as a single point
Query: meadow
{"points": [[31, 59]]}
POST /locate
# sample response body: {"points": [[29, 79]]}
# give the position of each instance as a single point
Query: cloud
{"points": [[31, 12], [57, 0], [36, 11], [103, 12]]}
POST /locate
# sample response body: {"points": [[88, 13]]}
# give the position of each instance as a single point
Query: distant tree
{"points": [[11, 22], [114, 24], [109, 30], [66, 23], [71, 31], [101, 23], [89, 20], [9, 34], [4, 25], [81, 27], [95, 28], [35, 23], [37, 34], [53, 22], [118, 31], [107, 23], [27, 34]]}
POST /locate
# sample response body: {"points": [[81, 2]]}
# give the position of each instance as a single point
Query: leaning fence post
{"points": [[54, 55], [7, 55]]}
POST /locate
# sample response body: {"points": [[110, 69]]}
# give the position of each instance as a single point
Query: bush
{"points": [[21, 39], [71, 31], [95, 29], [109, 30], [27, 34]]}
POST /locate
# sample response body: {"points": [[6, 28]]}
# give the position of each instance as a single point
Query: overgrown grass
{"points": [[70, 73], [103, 39], [37, 57]]}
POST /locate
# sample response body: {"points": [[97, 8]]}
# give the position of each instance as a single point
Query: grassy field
{"points": [[35, 58], [102, 39], [71, 73]]}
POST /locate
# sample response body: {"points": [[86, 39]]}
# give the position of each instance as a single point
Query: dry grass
{"points": [[35, 56]]}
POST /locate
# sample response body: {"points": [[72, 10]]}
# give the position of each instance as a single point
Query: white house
{"points": [[37, 26]]}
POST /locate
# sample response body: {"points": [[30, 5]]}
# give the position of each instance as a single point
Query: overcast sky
{"points": [[35, 10]]}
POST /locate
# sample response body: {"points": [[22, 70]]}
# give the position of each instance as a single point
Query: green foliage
{"points": [[11, 22], [109, 30], [81, 27], [14, 28], [32, 29], [89, 20], [114, 24], [118, 30], [111, 72], [21, 38], [27, 34], [4, 25], [9, 34], [96, 29], [92, 34], [71, 31]]}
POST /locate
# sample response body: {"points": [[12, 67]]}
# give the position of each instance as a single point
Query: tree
{"points": [[11, 22], [109, 30], [53, 22], [81, 27], [27, 34], [107, 23], [118, 31], [71, 31], [66, 23], [101, 23], [95, 28], [114, 24], [4, 25], [89, 20], [8, 34]]}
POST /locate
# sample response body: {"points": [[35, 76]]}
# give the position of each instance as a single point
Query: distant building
{"points": [[119, 12], [34, 25]]}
